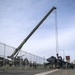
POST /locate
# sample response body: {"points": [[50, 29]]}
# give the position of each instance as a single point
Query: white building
{"points": [[74, 62]]}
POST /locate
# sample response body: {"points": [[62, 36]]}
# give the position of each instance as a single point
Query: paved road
{"points": [[64, 72], [38, 72], [22, 72]]}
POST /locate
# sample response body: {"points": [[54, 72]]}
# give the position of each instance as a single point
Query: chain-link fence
{"points": [[24, 59]]}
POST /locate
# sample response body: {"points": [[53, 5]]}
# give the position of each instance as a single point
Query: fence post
{"points": [[20, 59], [4, 54], [13, 58]]}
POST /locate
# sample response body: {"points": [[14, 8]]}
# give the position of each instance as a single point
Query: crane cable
{"points": [[56, 33]]}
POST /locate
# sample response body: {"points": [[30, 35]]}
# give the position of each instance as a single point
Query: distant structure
{"points": [[68, 59], [73, 62]]}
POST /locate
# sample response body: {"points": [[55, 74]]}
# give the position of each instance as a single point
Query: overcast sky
{"points": [[19, 17]]}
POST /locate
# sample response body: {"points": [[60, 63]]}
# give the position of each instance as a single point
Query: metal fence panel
{"points": [[22, 58]]}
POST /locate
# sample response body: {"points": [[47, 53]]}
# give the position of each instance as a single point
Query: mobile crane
{"points": [[15, 53]]}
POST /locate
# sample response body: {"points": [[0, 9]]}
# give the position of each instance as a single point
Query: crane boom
{"points": [[30, 34]]}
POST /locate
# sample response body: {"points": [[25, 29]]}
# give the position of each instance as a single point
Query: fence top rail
{"points": [[21, 51]]}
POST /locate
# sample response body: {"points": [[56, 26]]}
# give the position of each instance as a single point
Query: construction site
{"points": [[18, 62], [20, 58]]}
